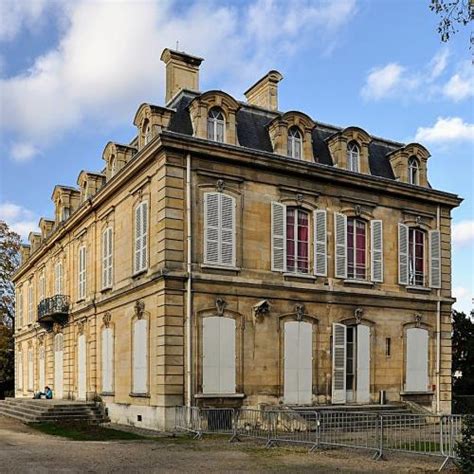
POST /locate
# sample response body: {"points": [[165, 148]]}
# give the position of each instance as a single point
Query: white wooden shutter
{"points": [[417, 360], [227, 230], [376, 246], [305, 362], [104, 259], [81, 367], [210, 355], [42, 375], [19, 309], [363, 364], [435, 259], [144, 250], [19, 364], [82, 272], [110, 263], [58, 365], [278, 237], [290, 387], [211, 228], [138, 240], [402, 254], [30, 302], [227, 355], [31, 375], [107, 360], [340, 236], [339, 337], [140, 356], [320, 243]]}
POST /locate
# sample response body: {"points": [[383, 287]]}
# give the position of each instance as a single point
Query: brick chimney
{"points": [[264, 93], [182, 72]]}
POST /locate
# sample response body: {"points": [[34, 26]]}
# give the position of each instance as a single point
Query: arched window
{"points": [[413, 171], [147, 134], [353, 156], [295, 143], [215, 125], [356, 248], [113, 165]]}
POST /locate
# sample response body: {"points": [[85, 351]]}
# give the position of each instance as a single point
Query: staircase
{"points": [[62, 411]]}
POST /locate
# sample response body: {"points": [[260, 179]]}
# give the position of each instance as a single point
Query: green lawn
{"points": [[85, 432]]}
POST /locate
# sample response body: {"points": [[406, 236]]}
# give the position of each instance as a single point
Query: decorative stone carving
{"points": [[220, 306], [220, 185], [358, 313], [418, 220], [418, 318], [139, 309], [357, 210], [41, 339], [80, 327], [57, 328], [300, 311], [106, 319], [299, 198], [261, 309]]}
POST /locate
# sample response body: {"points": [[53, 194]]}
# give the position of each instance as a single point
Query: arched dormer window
{"points": [[215, 125], [413, 171], [353, 157], [295, 143], [147, 133], [113, 165]]}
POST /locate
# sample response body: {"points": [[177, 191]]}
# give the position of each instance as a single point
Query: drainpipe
{"points": [[438, 327], [189, 376]]}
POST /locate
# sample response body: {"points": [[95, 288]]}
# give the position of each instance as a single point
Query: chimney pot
{"points": [[264, 93]]}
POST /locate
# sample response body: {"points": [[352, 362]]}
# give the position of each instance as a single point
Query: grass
{"points": [[85, 432], [421, 446]]}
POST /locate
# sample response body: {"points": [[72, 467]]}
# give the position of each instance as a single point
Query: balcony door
{"points": [[58, 365], [81, 367]]}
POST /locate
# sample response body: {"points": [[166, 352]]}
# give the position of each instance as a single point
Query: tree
{"points": [[465, 447], [9, 261], [453, 13]]}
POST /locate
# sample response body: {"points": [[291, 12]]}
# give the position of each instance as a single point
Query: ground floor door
{"points": [[417, 360], [58, 366], [351, 364], [298, 362], [81, 367]]}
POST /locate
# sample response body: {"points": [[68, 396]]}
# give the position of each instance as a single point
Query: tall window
{"points": [[215, 125], [113, 165], [413, 171], [140, 356], [41, 286], [107, 360], [19, 368], [66, 213], [107, 258], [353, 157], [58, 278], [297, 240], [30, 302], [147, 134], [219, 229], [356, 249], [295, 143], [416, 257], [19, 309], [81, 293], [141, 237], [31, 374]]}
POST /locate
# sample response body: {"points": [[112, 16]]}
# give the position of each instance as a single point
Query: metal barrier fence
{"points": [[408, 433]]}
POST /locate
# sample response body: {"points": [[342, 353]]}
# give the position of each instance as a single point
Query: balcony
{"points": [[53, 310]]}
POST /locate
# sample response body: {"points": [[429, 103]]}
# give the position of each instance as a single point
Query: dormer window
{"points": [[113, 166], [147, 134], [295, 143], [353, 157], [215, 125], [413, 171], [66, 213]]}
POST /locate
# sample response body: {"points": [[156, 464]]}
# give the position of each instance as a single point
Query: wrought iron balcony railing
{"points": [[57, 305]]}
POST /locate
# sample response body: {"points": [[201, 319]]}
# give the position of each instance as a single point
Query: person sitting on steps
{"points": [[48, 394]]}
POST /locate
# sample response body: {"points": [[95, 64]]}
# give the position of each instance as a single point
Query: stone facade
{"points": [[160, 275]]}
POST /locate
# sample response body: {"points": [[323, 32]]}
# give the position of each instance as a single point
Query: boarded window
{"points": [[140, 356], [107, 360]]}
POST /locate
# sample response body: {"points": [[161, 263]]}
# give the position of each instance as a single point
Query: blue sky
{"points": [[72, 74]]}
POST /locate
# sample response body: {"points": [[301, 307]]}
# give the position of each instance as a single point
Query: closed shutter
{"points": [[141, 237], [81, 367], [82, 272], [58, 270], [107, 258], [278, 237], [339, 337], [320, 243], [402, 254], [144, 252], [140, 356], [107, 360], [138, 240], [219, 229], [58, 365], [376, 237], [417, 360], [110, 261], [227, 355], [290, 391], [31, 375], [19, 356], [42, 374], [435, 259], [363, 364], [340, 233]]}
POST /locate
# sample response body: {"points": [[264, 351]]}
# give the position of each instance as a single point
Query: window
{"points": [[107, 258], [353, 157], [413, 171], [31, 375], [147, 134], [58, 278], [141, 237], [81, 293], [388, 346], [19, 306], [41, 287], [66, 213], [416, 257], [30, 302], [295, 143], [297, 240], [417, 379], [215, 125], [219, 229], [140, 356], [356, 249], [218, 372], [113, 165], [19, 362], [107, 360]]}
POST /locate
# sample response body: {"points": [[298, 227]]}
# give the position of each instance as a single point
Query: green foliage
{"points": [[453, 13], [465, 447], [463, 354]]}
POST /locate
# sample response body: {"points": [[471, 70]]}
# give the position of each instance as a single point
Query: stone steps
{"points": [[35, 411]]}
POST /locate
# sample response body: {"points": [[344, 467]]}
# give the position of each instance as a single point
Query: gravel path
{"points": [[24, 450]]}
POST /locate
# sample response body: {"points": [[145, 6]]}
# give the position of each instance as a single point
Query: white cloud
{"points": [[107, 60], [463, 232], [447, 129], [383, 81], [22, 152], [464, 299], [461, 85], [438, 64], [19, 219]]}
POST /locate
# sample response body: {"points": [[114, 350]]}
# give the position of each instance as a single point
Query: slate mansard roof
{"points": [[252, 132]]}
